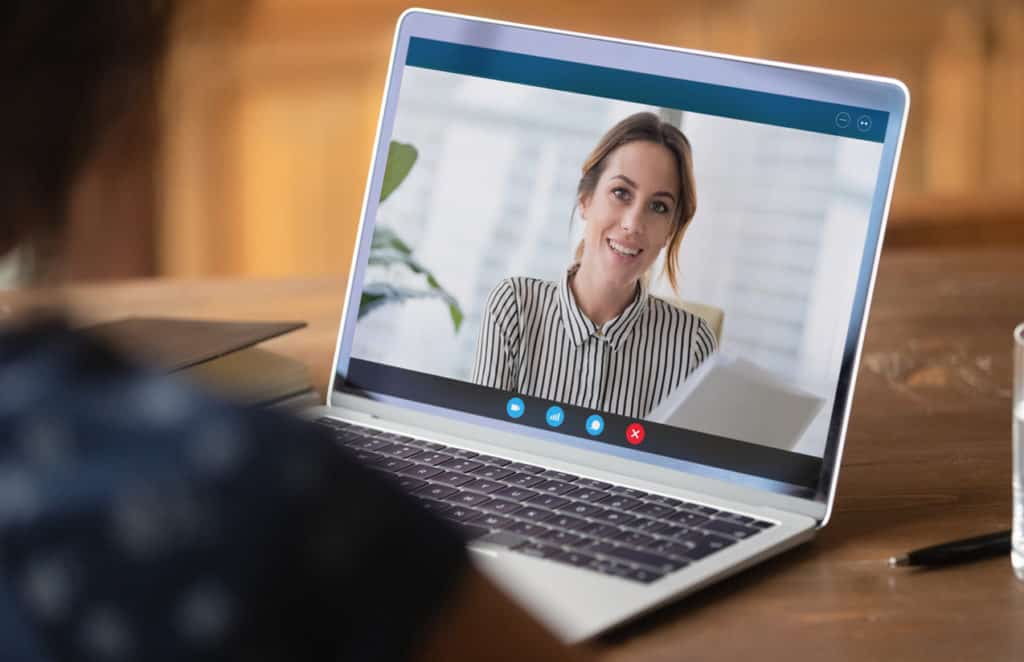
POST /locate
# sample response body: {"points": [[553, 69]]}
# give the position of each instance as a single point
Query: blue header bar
{"points": [[709, 99]]}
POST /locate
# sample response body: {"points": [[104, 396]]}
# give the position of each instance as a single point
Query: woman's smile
{"points": [[624, 250]]}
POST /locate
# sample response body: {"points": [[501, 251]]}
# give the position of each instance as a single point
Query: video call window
{"points": [[502, 256]]}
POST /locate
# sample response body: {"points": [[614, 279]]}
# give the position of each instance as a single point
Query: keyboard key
{"points": [[595, 484], [369, 443], [529, 529], [671, 530], [548, 501], [575, 558], [527, 468], [461, 514], [367, 457], [598, 530], [539, 550], [671, 548], [564, 538], [501, 506], [611, 567], [492, 521], [620, 502], [581, 509], [655, 510], [460, 464], [490, 459], [700, 544], [421, 471], [332, 423], [568, 522], [482, 485], [628, 555], [648, 525], [554, 486], [431, 457], [707, 511], [588, 495], [736, 517], [687, 518], [434, 446], [628, 491], [516, 493], [503, 539], [467, 499], [452, 478], [731, 529], [551, 474], [458, 452], [664, 500], [399, 450], [436, 491], [615, 517], [642, 575], [392, 464], [534, 514], [492, 473], [635, 539], [762, 524], [410, 484], [522, 480]]}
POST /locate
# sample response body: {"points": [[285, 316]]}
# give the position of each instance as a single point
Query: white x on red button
{"points": [[635, 433]]}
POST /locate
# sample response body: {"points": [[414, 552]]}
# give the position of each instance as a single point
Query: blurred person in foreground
{"points": [[143, 520]]}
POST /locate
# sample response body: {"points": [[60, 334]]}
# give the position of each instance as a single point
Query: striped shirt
{"points": [[535, 340]]}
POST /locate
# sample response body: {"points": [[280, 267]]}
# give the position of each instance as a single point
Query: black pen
{"points": [[958, 551]]}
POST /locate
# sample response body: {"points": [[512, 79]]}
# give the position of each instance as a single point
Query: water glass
{"points": [[1017, 553]]}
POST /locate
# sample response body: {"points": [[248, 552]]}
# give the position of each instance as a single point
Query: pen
{"points": [[957, 551]]}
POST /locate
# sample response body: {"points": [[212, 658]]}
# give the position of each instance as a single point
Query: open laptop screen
{"points": [[535, 260]]}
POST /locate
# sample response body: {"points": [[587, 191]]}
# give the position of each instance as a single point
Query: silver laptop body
{"points": [[799, 117]]}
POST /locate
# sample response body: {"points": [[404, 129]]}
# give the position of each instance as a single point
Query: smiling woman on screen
{"points": [[596, 338]]}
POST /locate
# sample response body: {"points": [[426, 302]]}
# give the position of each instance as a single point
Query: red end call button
{"points": [[635, 434]]}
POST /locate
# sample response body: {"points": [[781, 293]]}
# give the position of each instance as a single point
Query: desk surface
{"points": [[927, 459]]}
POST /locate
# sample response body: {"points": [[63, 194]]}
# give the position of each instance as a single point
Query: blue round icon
{"points": [[595, 425], [555, 416], [515, 407]]}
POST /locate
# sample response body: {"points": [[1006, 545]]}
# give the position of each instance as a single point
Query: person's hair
{"points": [[69, 70], [648, 127]]}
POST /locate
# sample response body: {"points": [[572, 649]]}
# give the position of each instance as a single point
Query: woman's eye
{"points": [[622, 194], [659, 207]]}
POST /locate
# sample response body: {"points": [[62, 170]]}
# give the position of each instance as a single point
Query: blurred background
{"points": [[268, 124]]}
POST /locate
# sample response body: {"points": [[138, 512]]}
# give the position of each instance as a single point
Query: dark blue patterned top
{"points": [[143, 520]]}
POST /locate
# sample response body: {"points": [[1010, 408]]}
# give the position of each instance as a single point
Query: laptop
{"points": [[469, 369]]}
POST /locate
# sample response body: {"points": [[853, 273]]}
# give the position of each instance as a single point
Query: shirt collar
{"points": [[580, 328]]}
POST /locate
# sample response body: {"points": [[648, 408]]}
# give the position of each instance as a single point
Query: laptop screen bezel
{"points": [[776, 78]]}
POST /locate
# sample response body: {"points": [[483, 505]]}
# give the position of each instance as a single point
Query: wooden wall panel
{"points": [[271, 120]]}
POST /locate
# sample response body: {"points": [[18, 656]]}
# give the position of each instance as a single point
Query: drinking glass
{"points": [[1017, 553]]}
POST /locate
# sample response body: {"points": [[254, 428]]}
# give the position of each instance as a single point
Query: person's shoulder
{"points": [[673, 311], [112, 406], [680, 315]]}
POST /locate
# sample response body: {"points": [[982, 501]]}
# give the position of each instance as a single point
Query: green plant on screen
{"points": [[388, 250]]}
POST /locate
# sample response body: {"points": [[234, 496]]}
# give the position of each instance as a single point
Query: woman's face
{"points": [[628, 217]]}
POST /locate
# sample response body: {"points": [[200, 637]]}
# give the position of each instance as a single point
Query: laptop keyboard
{"points": [[549, 514]]}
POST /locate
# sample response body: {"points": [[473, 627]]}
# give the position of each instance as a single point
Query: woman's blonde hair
{"points": [[650, 128]]}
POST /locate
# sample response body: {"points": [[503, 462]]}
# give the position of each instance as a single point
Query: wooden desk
{"points": [[927, 459]]}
